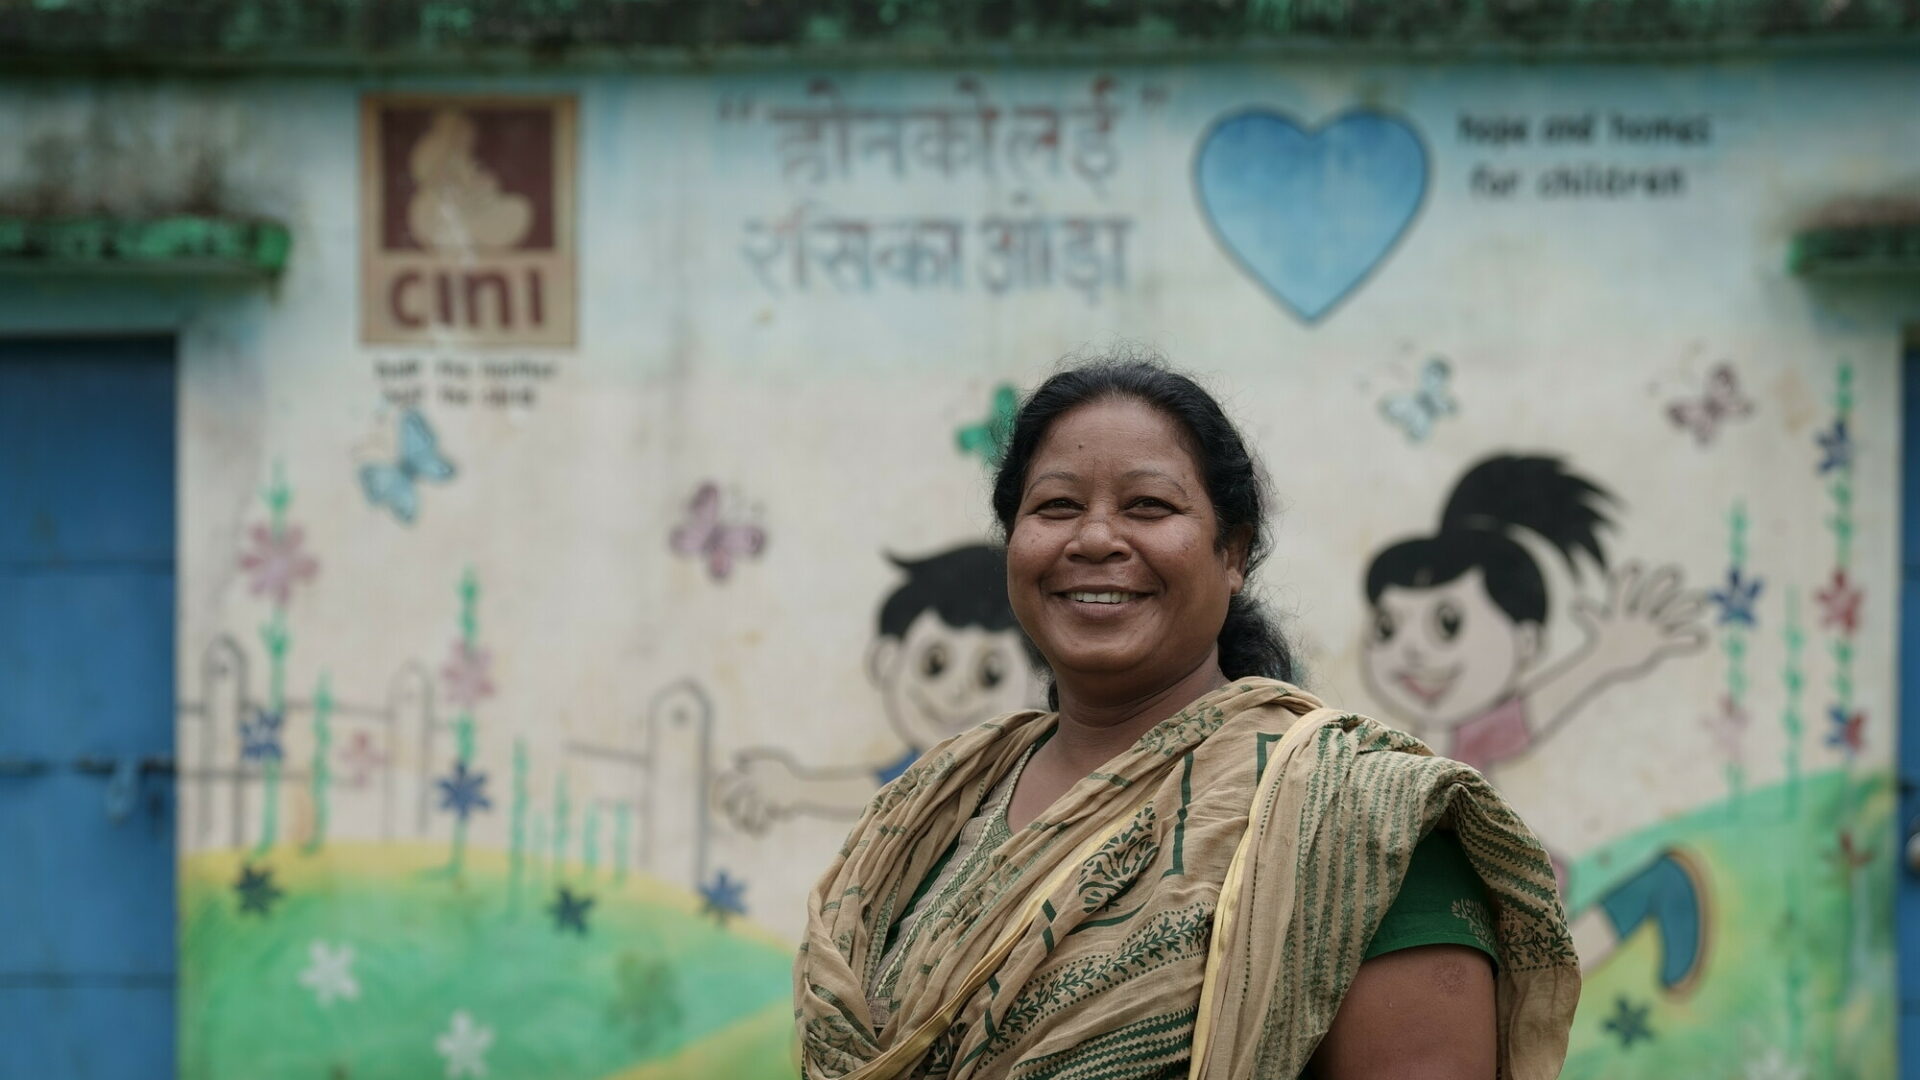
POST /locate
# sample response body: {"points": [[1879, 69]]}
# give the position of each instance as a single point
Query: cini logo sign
{"points": [[467, 220]]}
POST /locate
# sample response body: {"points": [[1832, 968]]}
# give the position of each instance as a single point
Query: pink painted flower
{"points": [[1728, 726], [275, 563], [360, 759], [1840, 604], [468, 674]]}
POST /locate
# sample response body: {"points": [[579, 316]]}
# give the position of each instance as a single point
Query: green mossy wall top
{"points": [[268, 34]]}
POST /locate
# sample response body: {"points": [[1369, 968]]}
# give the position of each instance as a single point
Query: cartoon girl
{"points": [[1456, 647]]}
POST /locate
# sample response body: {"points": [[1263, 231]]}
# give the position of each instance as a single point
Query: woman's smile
{"points": [[1107, 596], [1103, 603]]}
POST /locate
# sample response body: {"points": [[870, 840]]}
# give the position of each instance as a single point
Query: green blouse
{"points": [[1441, 902]]}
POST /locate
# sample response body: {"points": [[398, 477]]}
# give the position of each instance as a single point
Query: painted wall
{"points": [[526, 687]]}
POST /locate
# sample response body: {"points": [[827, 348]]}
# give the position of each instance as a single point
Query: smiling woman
{"points": [[1189, 867]]}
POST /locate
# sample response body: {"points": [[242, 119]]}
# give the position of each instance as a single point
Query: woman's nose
{"points": [[1096, 539]]}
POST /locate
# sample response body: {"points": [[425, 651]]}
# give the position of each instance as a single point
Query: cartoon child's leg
{"points": [[1669, 893]]}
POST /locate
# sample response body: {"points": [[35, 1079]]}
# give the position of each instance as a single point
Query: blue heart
{"points": [[1309, 214]]}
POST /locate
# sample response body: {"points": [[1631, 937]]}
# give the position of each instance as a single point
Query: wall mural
{"points": [[540, 789]]}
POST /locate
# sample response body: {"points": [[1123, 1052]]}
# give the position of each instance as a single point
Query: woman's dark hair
{"points": [[1250, 641], [1494, 499]]}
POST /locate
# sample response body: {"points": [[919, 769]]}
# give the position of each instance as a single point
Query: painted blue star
{"points": [[1737, 598], [1836, 446], [256, 889], [721, 897], [1629, 1023], [569, 911], [464, 791], [260, 736]]}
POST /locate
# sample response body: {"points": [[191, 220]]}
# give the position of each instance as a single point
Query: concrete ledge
{"points": [[1856, 251], [183, 245]]}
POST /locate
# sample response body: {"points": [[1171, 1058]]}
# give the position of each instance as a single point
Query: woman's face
{"points": [[1441, 656], [1112, 563]]}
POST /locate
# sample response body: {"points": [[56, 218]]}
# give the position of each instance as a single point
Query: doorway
{"points": [[87, 508]]}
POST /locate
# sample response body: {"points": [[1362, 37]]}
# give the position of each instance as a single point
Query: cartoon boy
{"points": [[948, 655], [1456, 644]]}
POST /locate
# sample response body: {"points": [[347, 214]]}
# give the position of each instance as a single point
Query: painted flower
{"points": [[275, 562], [464, 1046], [1728, 726], [1847, 855], [468, 675], [464, 791], [1836, 447], [329, 973], [569, 910], [1847, 730], [256, 890], [360, 759], [1629, 1023], [1840, 603], [1737, 598], [1773, 1065], [722, 897], [260, 735]]}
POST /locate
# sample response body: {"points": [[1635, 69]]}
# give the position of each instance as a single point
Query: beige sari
{"points": [[1198, 910]]}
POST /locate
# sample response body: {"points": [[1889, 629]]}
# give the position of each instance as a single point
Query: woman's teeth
{"points": [[1103, 597]]}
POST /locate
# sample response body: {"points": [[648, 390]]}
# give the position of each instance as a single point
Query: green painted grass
{"points": [[1799, 969], [1800, 956], [653, 981]]}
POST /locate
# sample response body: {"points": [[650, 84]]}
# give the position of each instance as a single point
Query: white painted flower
{"points": [[464, 1045], [329, 973], [1773, 1065]]}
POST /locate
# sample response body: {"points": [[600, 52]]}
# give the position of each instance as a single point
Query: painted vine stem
{"points": [[275, 565], [1792, 726], [469, 681], [1733, 642], [1840, 613]]}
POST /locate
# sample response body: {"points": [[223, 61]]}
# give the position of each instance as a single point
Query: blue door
{"points": [[86, 709], [1907, 900]]}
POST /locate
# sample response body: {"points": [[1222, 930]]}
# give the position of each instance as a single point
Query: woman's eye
{"points": [[1447, 619], [993, 668], [1152, 506], [1055, 506], [933, 661], [1382, 627]]}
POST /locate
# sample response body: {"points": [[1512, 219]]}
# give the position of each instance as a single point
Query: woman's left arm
{"points": [[1424, 1013]]}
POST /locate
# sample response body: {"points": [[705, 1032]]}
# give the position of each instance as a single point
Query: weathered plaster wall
{"points": [[418, 744]]}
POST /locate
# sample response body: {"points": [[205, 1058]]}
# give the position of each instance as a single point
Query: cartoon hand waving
{"points": [[1645, 618]]}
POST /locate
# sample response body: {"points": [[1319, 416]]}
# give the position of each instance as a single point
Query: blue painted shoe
{"points": [[1669, 892]]}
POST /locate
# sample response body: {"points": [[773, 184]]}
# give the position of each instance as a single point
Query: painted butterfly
{"points": [[1415, 411], [988, 438], [704, 534], [1721, 401], [392, 485]]}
